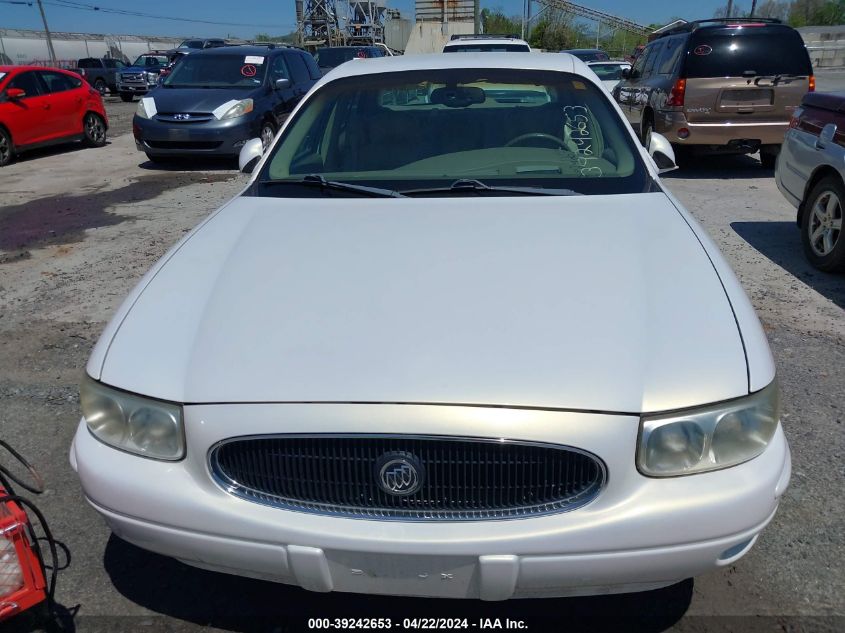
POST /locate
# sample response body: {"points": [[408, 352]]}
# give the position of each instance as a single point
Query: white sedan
{"points": [[455, 338]]}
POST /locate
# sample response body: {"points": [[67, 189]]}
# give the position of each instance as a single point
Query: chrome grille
{"points": [[186, 117], [456, 479], [132, 77]]}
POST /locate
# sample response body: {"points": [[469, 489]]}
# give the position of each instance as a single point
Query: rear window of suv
{"points": [[757, 50]]}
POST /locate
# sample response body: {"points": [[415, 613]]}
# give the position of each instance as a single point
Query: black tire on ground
{"points": [[682, 155], [768, 159], [100, 86], [646, 129], [268, 133], [824, 208], [126, 96], [7, 150], [94, 130]]}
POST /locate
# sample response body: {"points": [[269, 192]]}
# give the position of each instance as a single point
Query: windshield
{"points": [[607, 72], [218, 71], [151, 61], [487, 48], [757, 50], [428, 129]]}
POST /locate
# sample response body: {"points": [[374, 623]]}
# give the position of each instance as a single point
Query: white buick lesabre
{"points": [[454, 339]]}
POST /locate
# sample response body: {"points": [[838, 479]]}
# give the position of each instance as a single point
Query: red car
{"points": [[45, 106]]}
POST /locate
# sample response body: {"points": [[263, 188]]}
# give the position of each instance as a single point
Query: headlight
{"points": [[135, 424], [708, 438], [241, 108], [141, 110], [152, 78]]}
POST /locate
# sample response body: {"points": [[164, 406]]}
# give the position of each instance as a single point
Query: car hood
{"points": [[195, 99], [601, 303]]}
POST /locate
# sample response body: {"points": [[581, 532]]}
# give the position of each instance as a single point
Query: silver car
{"points": [[810, 172]]}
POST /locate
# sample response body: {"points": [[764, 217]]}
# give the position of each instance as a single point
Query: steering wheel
{"points": [[524, 137]]}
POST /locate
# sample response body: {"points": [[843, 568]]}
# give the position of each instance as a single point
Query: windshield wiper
{"points": [[316, 180], [467, 185]]}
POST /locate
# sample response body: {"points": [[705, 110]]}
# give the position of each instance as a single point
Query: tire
{"points": [[94, 130], [126, 96], [7, 149], [268, 133], [821, 225], [100, 86], [768, 160], [646, 129]]}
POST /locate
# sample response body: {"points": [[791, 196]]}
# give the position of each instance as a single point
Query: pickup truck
{"points": [[100, 73], [143, 75]]}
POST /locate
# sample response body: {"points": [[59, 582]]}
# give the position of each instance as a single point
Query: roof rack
{"points": [[697, 24], [482, 36]]}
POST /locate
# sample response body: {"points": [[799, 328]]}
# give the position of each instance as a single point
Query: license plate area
{"points": [[746, 97], [437, 576]]}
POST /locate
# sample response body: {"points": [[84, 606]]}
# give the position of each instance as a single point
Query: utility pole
{"points": [[730, 9], [47, 31], [753, 8]]}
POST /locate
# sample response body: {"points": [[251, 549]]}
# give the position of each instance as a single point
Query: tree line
{"points": [[795, 12]]}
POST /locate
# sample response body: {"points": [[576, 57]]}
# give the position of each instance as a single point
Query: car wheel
{"points": [[6, 150], [768, 159], [126, 96], [647, 128], [821, 225], [94, 129], [100, 86], [268, 133]]}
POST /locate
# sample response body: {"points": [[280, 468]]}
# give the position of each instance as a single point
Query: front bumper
{"points": [[206, 138], [639, 534], [720, 134], [138, 89]]}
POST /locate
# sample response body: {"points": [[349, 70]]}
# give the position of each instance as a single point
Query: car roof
{"points": [[583, 50], [244, 49], [605, 62], [439, 61], [486, 40], [9, 69]]}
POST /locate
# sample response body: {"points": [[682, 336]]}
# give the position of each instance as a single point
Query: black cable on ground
{"points": [[39, 483]]}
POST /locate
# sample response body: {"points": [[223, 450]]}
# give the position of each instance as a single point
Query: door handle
{"points": [[46, 106]]}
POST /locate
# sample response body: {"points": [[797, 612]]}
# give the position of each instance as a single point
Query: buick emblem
{"points": [[181, 117], [399, 474]]}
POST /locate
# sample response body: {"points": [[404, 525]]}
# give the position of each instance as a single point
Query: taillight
{"points": [[676, 95], [812, 87], [796, 117]]}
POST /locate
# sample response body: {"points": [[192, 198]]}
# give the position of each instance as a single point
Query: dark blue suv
{"points": [[217, 99]]}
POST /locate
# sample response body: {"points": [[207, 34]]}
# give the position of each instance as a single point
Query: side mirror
{"points": [[661, 151], [626, 73], [250, 155], [827, 134], [281, 84], [15, 93]]}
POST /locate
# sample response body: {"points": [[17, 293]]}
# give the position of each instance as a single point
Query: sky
{"points": [[246, 18]]}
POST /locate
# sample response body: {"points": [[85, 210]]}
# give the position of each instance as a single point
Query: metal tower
{"points": [[365, 21], [318, 24]]}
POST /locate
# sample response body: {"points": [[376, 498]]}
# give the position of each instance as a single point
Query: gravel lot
{"points": [[78, 227]]}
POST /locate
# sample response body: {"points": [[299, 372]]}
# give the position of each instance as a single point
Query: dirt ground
{"points": [[78, 228]]}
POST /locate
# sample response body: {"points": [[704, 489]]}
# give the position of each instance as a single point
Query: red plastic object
{"points": [[25, 586]]}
